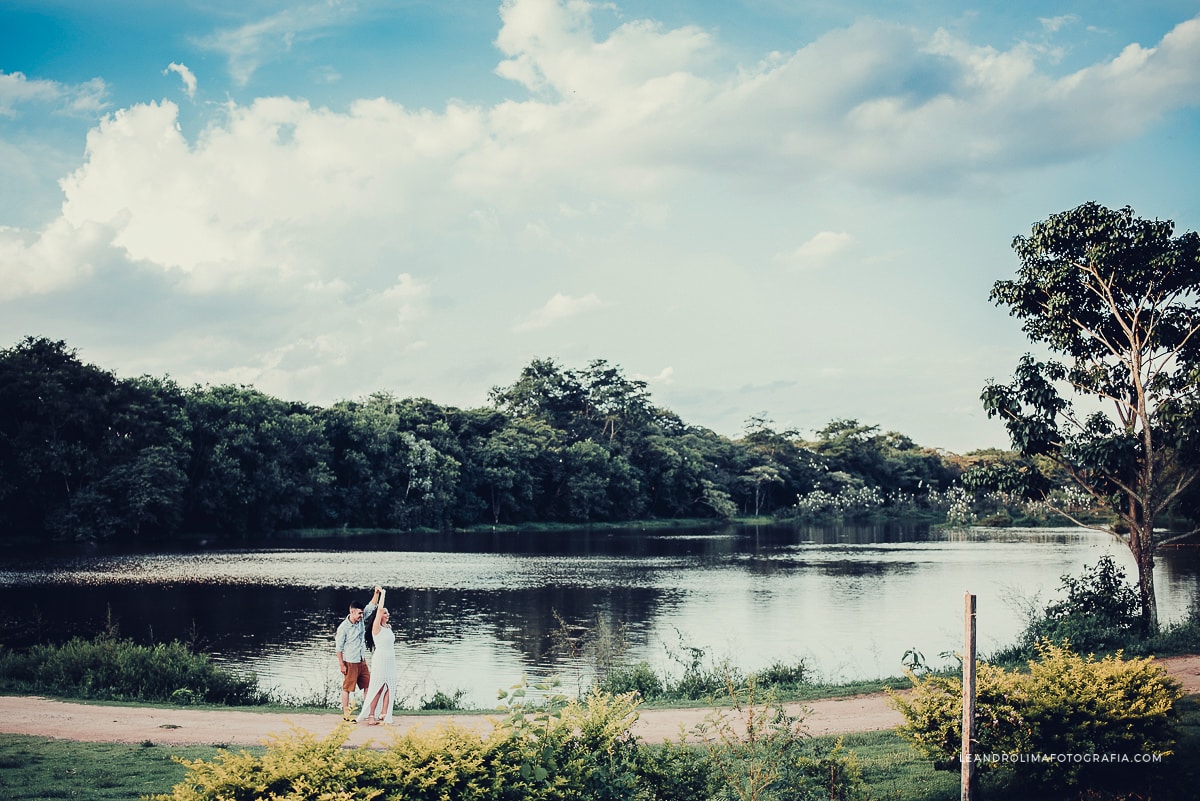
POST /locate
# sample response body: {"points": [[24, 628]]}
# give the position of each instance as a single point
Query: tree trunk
{"points": [[1141, 543]]}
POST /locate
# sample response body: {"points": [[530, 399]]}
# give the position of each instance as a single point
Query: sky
{"points": [[793, 210]]}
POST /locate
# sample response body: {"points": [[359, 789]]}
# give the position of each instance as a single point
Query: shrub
{"points": [[759, 752], [1182, 637], [782, 676], [296, 767], [1099, 613], [443, 701], [639, 678], [701, 679], [1065, 705], [109, 668], [1101, 610], [551, 749], [582, 750]]}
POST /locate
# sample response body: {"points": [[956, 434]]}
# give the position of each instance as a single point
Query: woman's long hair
{"points": [[368, 629]]}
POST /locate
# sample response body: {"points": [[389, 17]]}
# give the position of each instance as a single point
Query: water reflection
{"points": [[474, 612]]}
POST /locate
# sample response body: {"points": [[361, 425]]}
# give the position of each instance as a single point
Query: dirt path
{"points": [[126, 724]]}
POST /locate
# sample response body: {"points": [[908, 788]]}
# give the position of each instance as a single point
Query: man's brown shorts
{"points": [[357, 674]]}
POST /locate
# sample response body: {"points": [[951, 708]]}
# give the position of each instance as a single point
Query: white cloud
{"points": [[278, 190], [560, 307], [16, 89], [665, 377], [823, 247], [53, 259], [249, 46], [1056, 24], [274, 189], [186, 75], [264, 185]]}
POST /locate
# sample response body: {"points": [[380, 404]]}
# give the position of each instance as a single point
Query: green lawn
{"points": [[34, 768]]}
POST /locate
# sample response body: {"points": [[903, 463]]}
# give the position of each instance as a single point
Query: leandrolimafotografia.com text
{"points": [[1002, 758]]}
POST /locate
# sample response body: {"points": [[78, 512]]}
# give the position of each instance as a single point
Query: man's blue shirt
{"points": [[350, 638]]}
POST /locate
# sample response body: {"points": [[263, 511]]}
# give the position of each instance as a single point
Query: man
{"points": [[352, 651]]}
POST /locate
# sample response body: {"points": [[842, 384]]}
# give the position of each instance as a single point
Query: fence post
{"points": [[967, 752]]}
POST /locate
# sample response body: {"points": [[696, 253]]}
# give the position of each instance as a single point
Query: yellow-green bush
{"points": [[578, 750], [551, 750], [295, 767], [1071, 721]]}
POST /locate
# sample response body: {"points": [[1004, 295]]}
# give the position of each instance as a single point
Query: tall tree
{"points": [[1114, 298]]}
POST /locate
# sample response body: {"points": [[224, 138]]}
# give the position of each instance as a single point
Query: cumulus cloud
{"points": [[558, 308], [275, 189], [57, 257], [878, 102], [279, 190], [186, 75]]}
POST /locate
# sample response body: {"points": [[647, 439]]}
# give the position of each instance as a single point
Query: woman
{"points": [[381, 693]]}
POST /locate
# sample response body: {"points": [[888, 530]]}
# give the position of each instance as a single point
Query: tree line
{"points": [[85, 454]]}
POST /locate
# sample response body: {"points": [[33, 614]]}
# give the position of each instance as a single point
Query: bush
{"points": [[443, 701], [782, 676], [1099, 613], [581, 750], [1065, 705], [760, 752], [639, 678], [1101, 609], [1182, 637], [553, 749], [109, 668]]}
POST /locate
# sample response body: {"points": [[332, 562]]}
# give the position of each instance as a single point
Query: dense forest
{"points": [[85, 454]]}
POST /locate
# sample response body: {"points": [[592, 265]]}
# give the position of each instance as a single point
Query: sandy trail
{"points": [[233, 727]]}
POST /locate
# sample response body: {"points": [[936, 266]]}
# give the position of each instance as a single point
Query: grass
{"points": [[895, 772], [42, 768]]}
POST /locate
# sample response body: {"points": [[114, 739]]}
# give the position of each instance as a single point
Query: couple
{"points": [[379, 680]]}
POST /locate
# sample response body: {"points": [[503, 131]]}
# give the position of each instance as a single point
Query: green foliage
{"points": [[543, 750], [639, 678], [441, 700], [1065, 705], [760, 752], [537, 752], [1114, 298], [1100, 611], [701, 678], [85, 454], [1181, 637], [109, 668], [675, 771], [294, 767], [782, 676]]}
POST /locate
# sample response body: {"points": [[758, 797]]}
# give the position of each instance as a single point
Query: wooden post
{"points": [[968, 719]]}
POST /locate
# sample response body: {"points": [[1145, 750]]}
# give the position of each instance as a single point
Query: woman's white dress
{"points": [[383, 676]]}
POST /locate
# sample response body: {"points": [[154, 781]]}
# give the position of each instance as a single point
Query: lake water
{"points": [[476, 612]]}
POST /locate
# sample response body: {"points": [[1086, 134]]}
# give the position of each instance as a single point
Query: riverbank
{"points": [[44, 717]]}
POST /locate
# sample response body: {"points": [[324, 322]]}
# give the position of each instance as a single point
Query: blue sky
{"points": [[794, 209]]}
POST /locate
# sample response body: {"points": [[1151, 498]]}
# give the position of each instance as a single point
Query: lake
{"points": [[474, 612]]}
